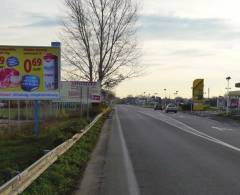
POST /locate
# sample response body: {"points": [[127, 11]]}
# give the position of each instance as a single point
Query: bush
{"points": [[185, 107]]}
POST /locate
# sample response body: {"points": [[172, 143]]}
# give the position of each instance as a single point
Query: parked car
{"points": [[157, 106], [171, 108]]}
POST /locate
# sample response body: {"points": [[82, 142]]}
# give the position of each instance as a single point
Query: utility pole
{"points": [[228, 87], [175, 96], [165, 97]]}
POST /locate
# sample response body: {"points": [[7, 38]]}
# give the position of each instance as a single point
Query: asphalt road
{"points": [[153, 153]]}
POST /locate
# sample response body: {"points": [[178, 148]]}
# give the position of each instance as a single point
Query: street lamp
{"points": [[176, 92], [155, 97], [165, 93], [165, 97], [227, 88], [175, 96]]}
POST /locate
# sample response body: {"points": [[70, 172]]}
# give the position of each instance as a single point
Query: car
{"points": [[157, 106], [171, 108]]}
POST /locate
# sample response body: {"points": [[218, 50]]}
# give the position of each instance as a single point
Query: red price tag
{"points": [[28, 64], [36, 62]]}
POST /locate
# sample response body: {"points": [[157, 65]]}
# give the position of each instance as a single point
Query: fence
{"points": [[20, 182], [20, 113], [23, 110]]}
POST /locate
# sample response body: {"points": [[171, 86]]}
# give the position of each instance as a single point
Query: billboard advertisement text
{"points": [[29, 72]]}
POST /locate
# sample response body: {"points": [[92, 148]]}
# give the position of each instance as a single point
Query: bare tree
{"points": [[100, 41]]}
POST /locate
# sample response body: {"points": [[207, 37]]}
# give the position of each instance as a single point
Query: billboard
{"points": [[29, 72], [197, 91], [198, 86], [80, 91]]}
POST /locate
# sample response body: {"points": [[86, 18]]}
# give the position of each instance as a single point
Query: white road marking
{"points": [[133, 187], [221, 129], [184, 127], [217, 128]]}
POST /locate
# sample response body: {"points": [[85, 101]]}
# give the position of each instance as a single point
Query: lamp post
{"points": [[155, 98], [192, 103], [144, 97], [175, 95], [228, 80], [176, 92], [165, 97]]}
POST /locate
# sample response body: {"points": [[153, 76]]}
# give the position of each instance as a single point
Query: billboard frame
{"points": [[35, 95]]}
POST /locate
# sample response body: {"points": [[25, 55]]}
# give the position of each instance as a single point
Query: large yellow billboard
{"points": [[197, 91], [29, 72], [198, 86]]}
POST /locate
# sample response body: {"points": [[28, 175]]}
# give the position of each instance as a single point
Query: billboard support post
{"points": [[18, 110], [36, 117], [88, 103], [81, 101], [26, 110], [18, 113], [9, 113]]}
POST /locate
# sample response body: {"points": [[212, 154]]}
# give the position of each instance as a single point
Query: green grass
{"points": [[209, 108], [148, 106], [4, 113], [63, 175], [21, 149]]}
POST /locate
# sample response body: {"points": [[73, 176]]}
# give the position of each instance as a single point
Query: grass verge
{"points": [[63, 175], [20, 149], [229, 116]]}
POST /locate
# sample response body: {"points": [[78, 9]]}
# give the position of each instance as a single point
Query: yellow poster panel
{"points": [[198, 87], [198, 106], [29, 72]]}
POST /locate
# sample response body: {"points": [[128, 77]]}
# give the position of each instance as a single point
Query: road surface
{"points": [[154, 153]]}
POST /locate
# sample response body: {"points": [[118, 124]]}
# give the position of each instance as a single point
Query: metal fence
{"points": [[21, 113]]}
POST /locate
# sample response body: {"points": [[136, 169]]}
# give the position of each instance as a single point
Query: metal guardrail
{"points": [[21, 181]]}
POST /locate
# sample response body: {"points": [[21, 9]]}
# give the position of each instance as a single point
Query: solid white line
{"points": [[222, 129], [133, 188], [184, 127], [217, 128]]}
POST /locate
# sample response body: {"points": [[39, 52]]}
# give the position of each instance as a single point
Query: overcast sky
{"points": [[180, 39]]}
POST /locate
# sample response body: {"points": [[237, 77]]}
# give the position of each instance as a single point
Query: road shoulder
{"points": [[92, 180]]}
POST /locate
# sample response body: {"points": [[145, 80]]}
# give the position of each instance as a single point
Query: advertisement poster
{"points": [[29, 72], [80, 91], [198, 87]]}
